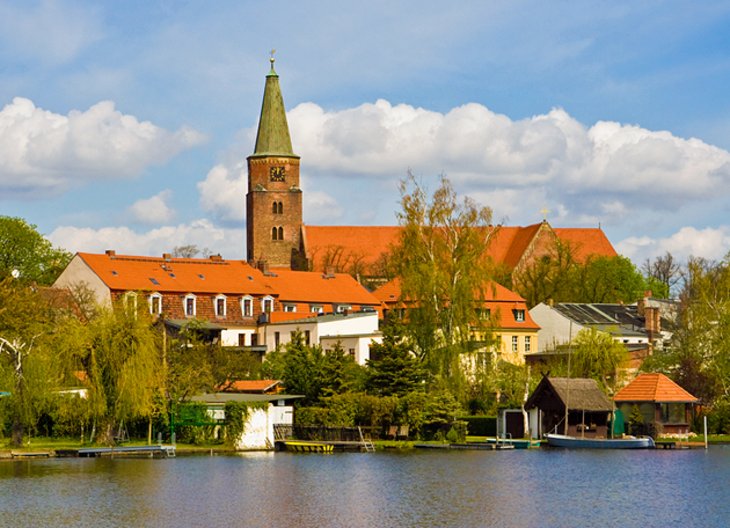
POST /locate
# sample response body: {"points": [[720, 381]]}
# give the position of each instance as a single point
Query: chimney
{"points": [[263, 266], [216, 258], [166, 256], [652, 321], [329, 272], [110, 253]]}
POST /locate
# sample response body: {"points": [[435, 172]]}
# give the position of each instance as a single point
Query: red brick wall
{"points": [[260, 218]]}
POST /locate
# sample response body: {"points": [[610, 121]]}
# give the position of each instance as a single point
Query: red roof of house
{"points": [[653, 388], [315, 287], [252, 385], [133, 273], [345, 244]]}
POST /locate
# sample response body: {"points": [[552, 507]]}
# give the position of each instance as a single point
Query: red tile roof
{"points": [[251, 386], [132, 273], [315, 287], [653, 388], [507, 246]]}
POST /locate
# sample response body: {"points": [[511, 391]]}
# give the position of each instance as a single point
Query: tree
{"points": [[549, 277], [189, 251], [393, 369], [123, 362], [26, 255], [27, 370], [596, 355], [443, 271], [663, 272]]}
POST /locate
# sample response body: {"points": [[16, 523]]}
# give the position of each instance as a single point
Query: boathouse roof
{"points": [[579, 394]]}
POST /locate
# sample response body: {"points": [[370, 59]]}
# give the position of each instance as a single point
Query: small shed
{"points": [[665, 407], [589, 409]]}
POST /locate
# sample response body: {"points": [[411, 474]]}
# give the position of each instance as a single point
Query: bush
{"points": [[480, 425]]}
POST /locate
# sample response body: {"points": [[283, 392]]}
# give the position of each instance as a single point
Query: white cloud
{"points": [[320, 207], [709, 243], [153, 210], [50, 31], [223, 192], [228, 242], [607, 168], [45, 153]]}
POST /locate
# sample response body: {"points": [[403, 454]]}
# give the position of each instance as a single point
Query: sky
{"points": [[126, 125]]}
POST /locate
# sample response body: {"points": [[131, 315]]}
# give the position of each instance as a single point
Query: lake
{"points": [[420, 488]]}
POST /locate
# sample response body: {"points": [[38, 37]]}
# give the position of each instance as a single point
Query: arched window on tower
{"points": [[281, 233], [280, 208], [275, 208], [274, 234]]}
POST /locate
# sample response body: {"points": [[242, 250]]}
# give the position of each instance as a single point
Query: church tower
{"points": [[274, 199]]}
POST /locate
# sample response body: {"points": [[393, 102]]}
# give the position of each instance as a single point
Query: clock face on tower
{"points": [[277, 174]]}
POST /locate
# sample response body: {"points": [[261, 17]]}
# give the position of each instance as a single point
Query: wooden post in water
{"points": [[705, 424]]}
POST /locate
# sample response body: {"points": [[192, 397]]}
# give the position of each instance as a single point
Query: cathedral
{"points": [[277, 237]]}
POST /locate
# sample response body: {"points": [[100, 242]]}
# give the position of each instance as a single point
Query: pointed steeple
{"points": [[272, 138]]}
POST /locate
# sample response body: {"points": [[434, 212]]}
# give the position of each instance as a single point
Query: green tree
{"points": [[596, 355], [27, 366], [393, 368], [123, 361], [27, 255], [443, 272]]}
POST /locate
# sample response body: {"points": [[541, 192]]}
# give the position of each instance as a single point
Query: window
{"points": [[277, 208], [290, 307], [267, 304], [342, 308], [220, 306], [130, 301], [242, 339], [274, 234], [247, 306], [307, 337], [281, 233], [316, 308], [514, 343], [155, 303], [528, 343], [277, 339], [189, 305], [519, 315]]}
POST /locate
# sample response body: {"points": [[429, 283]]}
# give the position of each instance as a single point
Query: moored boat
{"points": [[558, 440]]}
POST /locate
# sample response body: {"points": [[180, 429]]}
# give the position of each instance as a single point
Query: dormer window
{"points": [[155, 303], [519, 315], [290, 307], [247, 306], [267, 304], [220, 305], [189, 305]]}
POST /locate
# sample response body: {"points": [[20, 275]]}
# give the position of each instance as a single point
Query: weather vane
{"points": [[272, 57], [544, 212]]}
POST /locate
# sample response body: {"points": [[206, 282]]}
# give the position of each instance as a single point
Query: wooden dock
{"points": [[149, 451]]}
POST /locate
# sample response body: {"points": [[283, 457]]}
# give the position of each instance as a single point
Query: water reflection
{"points": [[422, 488]]}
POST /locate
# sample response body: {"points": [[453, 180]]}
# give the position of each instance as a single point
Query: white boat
{"points": [[558, 440]]}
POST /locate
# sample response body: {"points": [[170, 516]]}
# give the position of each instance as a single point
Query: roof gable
{"points": [[653, 387]]}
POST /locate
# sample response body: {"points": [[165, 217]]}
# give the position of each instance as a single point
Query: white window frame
{"points": [[151, 301], [215, 305], [316, 308], [250, 305], [342, 308], [185, 305], [265, 301], [515, 343], [528, 343], [519, 316], [291, 308]]}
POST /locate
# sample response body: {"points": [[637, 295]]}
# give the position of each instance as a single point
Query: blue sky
{"points": [[126, 125]]}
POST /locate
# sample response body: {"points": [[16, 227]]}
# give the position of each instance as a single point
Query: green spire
{"points": [[272, 138]]}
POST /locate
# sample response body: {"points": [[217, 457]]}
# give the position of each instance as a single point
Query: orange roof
{"points": [[344, 244], [586, 242], [282, 317], [314, 287], [499, 300], [124, 272], [653, 388], [251, 385]]}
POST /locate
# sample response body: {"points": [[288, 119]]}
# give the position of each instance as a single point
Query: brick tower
{"points": [[274, 199]]}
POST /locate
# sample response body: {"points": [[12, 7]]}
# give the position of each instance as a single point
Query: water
{"points": [[542, 488]]}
